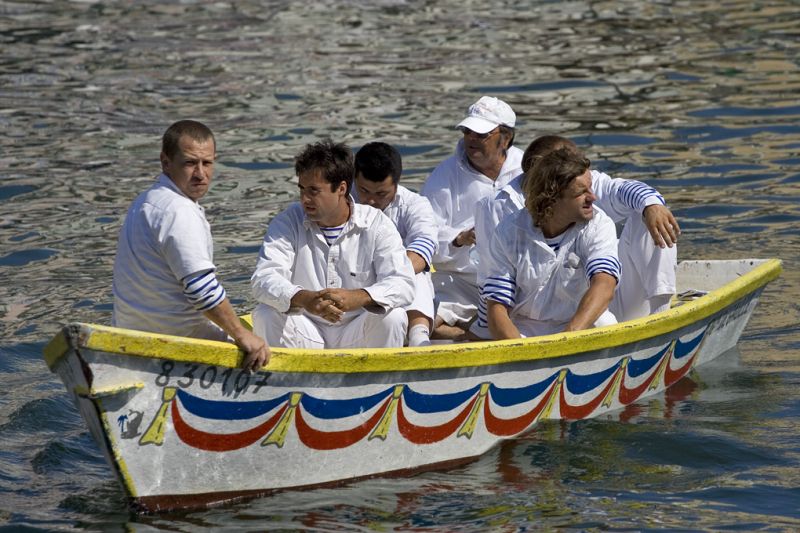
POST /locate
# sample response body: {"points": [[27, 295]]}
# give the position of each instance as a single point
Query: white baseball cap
{"points": [[487, 113]]}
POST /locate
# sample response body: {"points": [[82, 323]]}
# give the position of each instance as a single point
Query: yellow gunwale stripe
{"points": [[143, 344]]}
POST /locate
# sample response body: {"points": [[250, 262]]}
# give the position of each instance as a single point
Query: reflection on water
{"points": [[698, 99]]}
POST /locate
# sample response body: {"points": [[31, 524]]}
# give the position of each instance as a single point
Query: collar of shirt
{"points": [[358, 216], [167, 182]]}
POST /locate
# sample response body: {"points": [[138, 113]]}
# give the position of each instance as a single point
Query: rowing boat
{"points": [[182, 426]]}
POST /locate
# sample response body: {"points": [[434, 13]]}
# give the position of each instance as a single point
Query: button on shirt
{"points": [[368, 254], [165, 237], [454, 188]]}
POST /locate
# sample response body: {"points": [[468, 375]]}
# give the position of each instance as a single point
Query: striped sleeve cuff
{"points": [[203, 290], [424, 247], [637, 195], [608, 265], [483, 319], [500, 289]]}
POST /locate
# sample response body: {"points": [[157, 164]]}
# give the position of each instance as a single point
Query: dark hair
{"points": [[377, 160], [548, 178], [170, 142], [544, 145], [333, 160], [507, 132]]}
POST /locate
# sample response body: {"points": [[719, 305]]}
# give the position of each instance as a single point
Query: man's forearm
{"points": [[225, 317], [594, 302], [500, 324]]}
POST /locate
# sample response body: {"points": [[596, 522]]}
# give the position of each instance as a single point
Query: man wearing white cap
{"points": [[484, 162]]}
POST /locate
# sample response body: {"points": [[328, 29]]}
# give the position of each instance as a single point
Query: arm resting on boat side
{"points": [[594, 302], [257, 352], [500, 324]]}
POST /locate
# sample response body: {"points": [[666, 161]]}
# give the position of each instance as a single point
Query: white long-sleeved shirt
{"points": [[618, 198], [454, 188], [537, 282], [368, 254], [413, 216]]}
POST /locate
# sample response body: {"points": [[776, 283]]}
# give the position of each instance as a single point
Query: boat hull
{"points": [[183, 427]]}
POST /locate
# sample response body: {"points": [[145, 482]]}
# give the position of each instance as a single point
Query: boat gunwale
{"points": [[436, 357]]}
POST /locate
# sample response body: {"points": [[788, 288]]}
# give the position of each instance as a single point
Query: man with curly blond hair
{"points": [[555, 263]]}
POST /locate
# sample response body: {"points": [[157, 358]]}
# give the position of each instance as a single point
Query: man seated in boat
{"points": [[331, 273], [554, 264], [164, 274], [378, 170], [647, 246], [484, 161]]}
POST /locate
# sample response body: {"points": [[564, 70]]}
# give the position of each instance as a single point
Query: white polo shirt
{"points": [[368, 254], [165, 237], [539, 283]]}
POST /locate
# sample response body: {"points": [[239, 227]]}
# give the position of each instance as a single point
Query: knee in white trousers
{"points": [[366, 330]]}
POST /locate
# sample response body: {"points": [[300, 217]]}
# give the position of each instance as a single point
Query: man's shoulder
{"points": [[365, 215], [444, 170], [515, 223], [160, 201], [599, 177], [292, 215], [408, 198], [599, 227]]}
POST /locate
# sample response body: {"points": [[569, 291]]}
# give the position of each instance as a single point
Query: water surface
{"points": [[698, 99]]}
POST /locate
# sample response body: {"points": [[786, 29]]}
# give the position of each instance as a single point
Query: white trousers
{"points": [[423, 295], [648, 273], [365, 330], [529, 327], [457, 296]]}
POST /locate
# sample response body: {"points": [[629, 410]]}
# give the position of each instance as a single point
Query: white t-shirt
{"points": [[165, 237]]}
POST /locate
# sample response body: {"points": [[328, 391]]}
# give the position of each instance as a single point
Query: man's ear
{"points": [[164, 161], [342, 188]]}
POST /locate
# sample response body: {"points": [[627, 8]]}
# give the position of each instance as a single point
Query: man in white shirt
{"points": [[647, 246], [164, 274], [555, 264], [378, 170], [331, 273], [485, 161]]}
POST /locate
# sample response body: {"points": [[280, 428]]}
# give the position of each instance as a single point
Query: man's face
{"points": [[575, 203], [483, 149], [378, 194], [192, 166], [325, 207]]}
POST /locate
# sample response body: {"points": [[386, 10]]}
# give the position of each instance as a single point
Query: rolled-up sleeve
{"points": [[422, 233], [500, 284], [394, 285], [272, 280], [597, 247], [622, 198]]}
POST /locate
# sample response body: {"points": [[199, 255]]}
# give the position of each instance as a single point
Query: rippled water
{"points": [[697, 98]]}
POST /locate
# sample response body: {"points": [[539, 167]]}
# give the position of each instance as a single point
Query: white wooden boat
{"points": [[183, 427]]}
